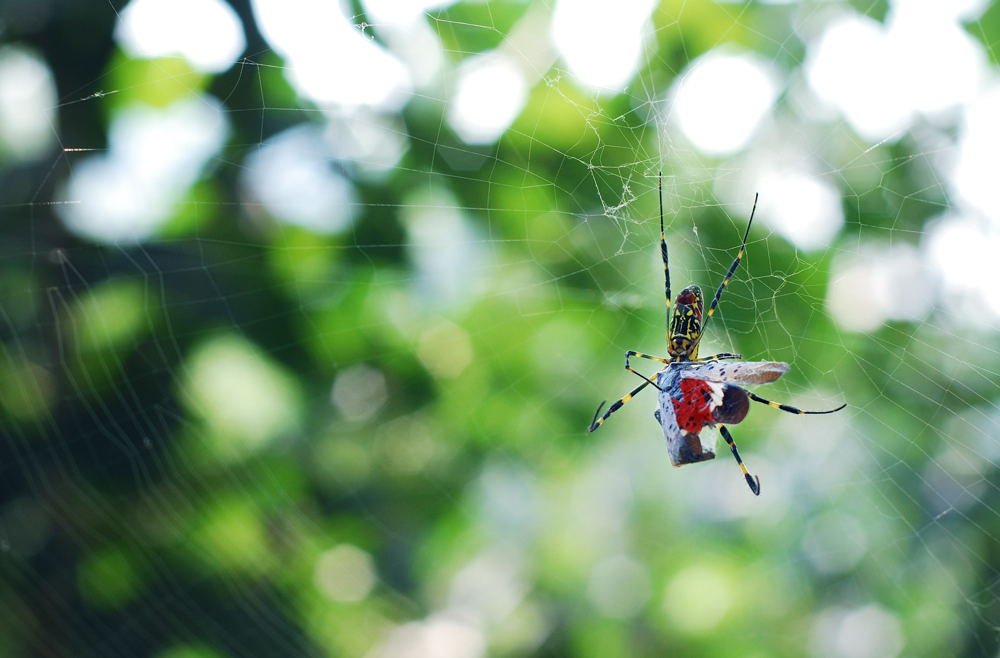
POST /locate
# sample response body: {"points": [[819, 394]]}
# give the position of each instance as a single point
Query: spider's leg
{"points": [[663, 249], [615, 407], [732, 268], [752, 480], [719, 357], [791, 410], [631, 353]]}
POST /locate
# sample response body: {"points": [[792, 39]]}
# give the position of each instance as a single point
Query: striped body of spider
{"points": [[698, 392]]}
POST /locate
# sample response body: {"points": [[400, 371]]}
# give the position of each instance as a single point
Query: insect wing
{"points": [[745, 373], [675, 413]]}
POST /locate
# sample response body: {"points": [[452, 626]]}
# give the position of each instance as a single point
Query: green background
{"points": [[211, 437]]}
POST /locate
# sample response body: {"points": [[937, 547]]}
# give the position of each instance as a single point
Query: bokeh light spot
{"points": [[445, 250], [293, 177], [345, 573], [804, 209], [359, 392], [697, 599], [600, 42], [962, 249], [108, 316], [489, 94], [868, 631], [207, 33], [721, 99], [880, 284], [27, 103], [879, 76], [440, 636], [329, 60], [978, 158], [445, 350], [245, 399], [155, 155], [229, 535]]}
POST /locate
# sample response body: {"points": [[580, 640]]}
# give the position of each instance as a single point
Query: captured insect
{"points": [[698, 392]]}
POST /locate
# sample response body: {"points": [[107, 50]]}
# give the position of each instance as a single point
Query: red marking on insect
{"points": [[703, 403], [694, 408]]}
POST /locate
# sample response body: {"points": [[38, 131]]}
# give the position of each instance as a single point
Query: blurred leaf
{"points": [[245, 399], [157, 82], [108, 578]]}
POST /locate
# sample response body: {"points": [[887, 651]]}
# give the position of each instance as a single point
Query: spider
{"points": [[698, 392]]}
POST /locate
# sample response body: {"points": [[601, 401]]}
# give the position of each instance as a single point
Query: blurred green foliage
{"points": [[243, 438]]}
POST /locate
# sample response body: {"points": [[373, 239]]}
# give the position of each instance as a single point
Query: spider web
{"points": [[347, 416]]}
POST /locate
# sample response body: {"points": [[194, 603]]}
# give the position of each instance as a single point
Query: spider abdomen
{"points": [[684, 331]]}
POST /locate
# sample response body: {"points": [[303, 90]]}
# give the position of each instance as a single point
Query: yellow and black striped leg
{"points": [[663, 247], [628, 367], [736, 263], [791, 410], [615, 407], [720, 356], [752, 480]]}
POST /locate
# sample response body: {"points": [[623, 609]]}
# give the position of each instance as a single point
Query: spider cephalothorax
{"points": [[700, 392]]}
